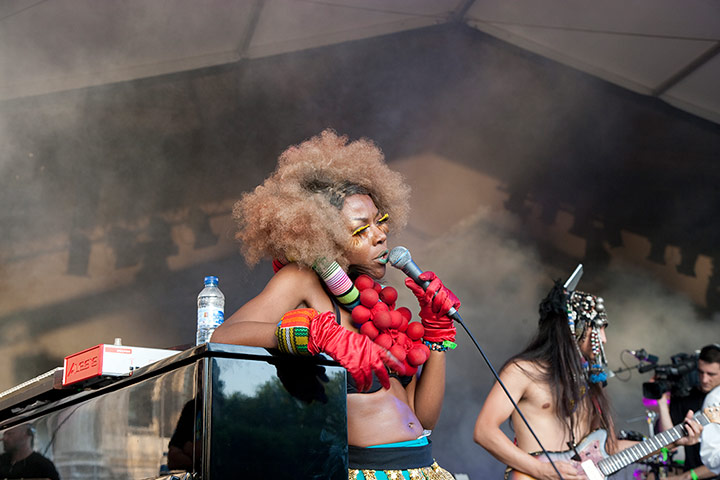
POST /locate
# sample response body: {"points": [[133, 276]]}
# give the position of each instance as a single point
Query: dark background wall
{"points": [[116, 201]]}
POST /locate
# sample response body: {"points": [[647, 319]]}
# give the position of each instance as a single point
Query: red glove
{"points": [[357, 353], [435, 302]]}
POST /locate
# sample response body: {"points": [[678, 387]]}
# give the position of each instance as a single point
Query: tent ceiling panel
{"points": [[632, 62], [659, 47], [662, 47], [699, 92], [289, 25], [668, 18]]}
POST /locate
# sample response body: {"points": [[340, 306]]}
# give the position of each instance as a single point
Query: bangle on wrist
{"points": [[293, 331], [693, 475], [440, 346]]}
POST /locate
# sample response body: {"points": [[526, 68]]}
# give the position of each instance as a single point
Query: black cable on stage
{"points": [[400, 258], [57, 428], [459, 320]]}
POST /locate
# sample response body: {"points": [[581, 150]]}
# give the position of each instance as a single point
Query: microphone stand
{"points": [[459, 320], [641, 367], [399, 257]]}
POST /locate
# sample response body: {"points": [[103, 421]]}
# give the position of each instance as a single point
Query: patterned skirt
{"points": [[397, 461]]}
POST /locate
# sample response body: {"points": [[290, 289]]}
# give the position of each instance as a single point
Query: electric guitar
{"points": [[595, 462]]}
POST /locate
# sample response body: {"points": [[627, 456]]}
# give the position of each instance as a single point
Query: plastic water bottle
{"points": [[211, 310]]}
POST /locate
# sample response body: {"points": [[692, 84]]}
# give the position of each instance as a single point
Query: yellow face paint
{"points": [[358, 231], [379, 222]]}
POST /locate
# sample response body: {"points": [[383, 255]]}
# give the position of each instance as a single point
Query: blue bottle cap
{"points": [[211, 280]]}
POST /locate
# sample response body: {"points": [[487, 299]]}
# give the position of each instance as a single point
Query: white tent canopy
{"points": [[665, 48]]}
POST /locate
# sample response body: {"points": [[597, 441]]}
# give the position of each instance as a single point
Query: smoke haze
{"points": [[116, 202]]}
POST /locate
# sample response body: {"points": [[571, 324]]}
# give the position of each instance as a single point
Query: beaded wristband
{"points": [[440, 346], [293, 331]]}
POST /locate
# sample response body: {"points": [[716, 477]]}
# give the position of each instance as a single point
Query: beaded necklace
{"points": [[373, 311]]}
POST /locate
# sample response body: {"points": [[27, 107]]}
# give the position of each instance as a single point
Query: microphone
{"points": [[400, 258], [643, 355]]}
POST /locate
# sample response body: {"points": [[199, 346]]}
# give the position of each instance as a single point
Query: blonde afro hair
{"points": [[295, 214]]}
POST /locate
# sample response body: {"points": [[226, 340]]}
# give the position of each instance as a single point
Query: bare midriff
{"points": [[381, 417]]}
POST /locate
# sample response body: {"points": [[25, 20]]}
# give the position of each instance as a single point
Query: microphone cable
{"points": [[459, 320], [401, 259]]}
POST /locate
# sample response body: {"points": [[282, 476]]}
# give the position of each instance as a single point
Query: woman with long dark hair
{"points": [[557, 382]]}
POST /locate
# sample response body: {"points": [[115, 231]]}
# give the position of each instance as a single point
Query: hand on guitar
{"points": [[570, 470], [693, 429]]}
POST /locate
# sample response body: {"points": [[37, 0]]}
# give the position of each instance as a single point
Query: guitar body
{"points": [[591, 448], [592, 459]]}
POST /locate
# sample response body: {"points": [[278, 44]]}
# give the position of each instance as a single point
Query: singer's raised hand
{"points": [[435, 302], [437, 298]]}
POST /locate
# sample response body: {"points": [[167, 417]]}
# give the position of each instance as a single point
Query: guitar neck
{"points": [[622, 459]]}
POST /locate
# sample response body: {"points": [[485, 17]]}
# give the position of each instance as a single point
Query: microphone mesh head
{"points": [[399, 257]]}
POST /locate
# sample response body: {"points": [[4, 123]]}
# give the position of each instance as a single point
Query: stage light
{"points": [[199, 222], [657, 253], [78, 254], [595, 252], [613, 237], [687, 262], [124, 244], [548, 214], [582, 223], [157, 248], [516, 204]]}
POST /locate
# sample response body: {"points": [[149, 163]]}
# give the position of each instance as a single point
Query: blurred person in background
{"points": [[702, 461], [20, 460]]}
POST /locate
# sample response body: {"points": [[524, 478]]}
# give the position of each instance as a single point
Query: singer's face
{"points": [[367, 247]]}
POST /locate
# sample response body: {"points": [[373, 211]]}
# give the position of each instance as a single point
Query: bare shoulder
{"points": [[294, 278], [523, 368], [526, 377], [532, 376], [295, 271], [288, 289], [300, 285]]}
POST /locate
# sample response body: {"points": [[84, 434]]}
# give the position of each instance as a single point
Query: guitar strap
{"points": [[572, 446], [597, 407], [611, 439]]}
